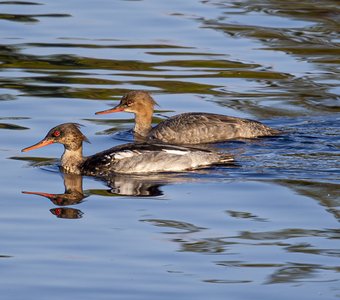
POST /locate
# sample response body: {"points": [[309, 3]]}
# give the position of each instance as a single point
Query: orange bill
{"points": [[42, 143], [47, 195], [117, 108]]}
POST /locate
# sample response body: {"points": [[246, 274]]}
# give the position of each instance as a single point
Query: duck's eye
{"points": [[128, 103], [56, 133]]}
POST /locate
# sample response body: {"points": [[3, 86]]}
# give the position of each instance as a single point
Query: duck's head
{"points": [[136, 102], [67, 134]]}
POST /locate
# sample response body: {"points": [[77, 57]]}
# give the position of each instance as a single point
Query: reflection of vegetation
{"points": [[267, 238], [16, 60], [282, 272], [237, 73], [206, 245], [242, 264], [180, 86], [179, 54], [327, 194], [287, 234], [309, 249], [244, 215], [97, 46], [315, 43], [186, 227], [308, 11], [37, 161], [19, 3], [310, 50], [60, 69], [297, 272], [11, 126], [210, 64], [28, 18], [284, 92], [228, 281]]}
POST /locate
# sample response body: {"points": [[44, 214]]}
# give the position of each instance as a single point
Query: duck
{"points": [[126, 158], [187, 128]]}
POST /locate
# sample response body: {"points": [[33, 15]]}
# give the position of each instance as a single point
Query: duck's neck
{"points": [[143, 122], [72, 160]]}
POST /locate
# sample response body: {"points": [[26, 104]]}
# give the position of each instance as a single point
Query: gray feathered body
{"points": [[149, 158], [197, 128]]}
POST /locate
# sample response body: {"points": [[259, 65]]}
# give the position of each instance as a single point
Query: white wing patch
{"points": [[125, 154], [176, 152]]}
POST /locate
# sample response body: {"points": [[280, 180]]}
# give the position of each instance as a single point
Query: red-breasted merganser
{"points": [[127, 158], [187, 128]]}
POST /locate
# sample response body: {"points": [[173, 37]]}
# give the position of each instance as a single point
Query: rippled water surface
{"points": [[266, 227]]}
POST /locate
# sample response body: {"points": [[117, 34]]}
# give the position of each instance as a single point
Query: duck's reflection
{"points": [[73, 195], [127, 185], [119, 185], [73, 191]]}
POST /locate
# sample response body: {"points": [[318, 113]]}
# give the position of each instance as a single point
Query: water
{"points": [[264, 228]]}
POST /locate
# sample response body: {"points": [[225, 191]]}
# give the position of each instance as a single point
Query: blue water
{"points": [[266, 227]]}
